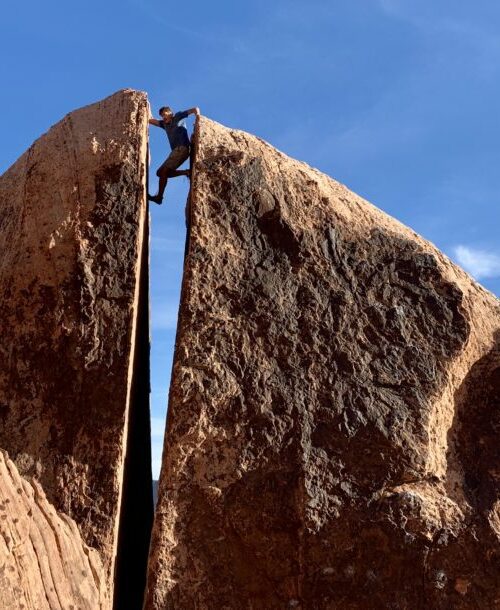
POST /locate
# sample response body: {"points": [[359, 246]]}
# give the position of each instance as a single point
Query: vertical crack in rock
{"points": [[324, 413], [72, 230], [136, 517]]}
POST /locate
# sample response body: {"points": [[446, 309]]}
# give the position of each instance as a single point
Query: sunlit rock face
{"points": [[332, 436], [44, 564], [72, 222]]}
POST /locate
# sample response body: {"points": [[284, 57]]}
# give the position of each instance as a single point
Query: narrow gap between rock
{"points": [[164, 340], [136, 518], [139, 489]]}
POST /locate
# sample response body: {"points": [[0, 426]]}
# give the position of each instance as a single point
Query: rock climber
{"points": [[178, 138]]}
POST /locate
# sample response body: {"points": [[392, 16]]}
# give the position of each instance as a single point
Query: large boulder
{"points": [[73, 291], [332, 435]]}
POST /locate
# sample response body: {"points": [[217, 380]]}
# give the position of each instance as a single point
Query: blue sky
{"points": [[395, 98]]}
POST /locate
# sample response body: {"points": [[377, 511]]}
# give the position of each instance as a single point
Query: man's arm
{"points": [[154, 122], [178, 116]]}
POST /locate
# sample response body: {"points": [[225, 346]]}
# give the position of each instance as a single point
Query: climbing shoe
{"points": [[156, 198]]}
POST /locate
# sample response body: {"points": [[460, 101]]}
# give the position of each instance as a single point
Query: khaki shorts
{"points": [[175, 159]]}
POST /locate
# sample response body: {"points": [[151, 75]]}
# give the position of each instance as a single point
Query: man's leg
{"points": [[168, 169], [179, 155], [162, 183], [179, 172], [164, 175]]}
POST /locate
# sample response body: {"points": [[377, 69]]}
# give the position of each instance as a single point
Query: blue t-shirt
{"points": [[176, 130]]}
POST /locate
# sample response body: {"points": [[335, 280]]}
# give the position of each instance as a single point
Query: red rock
{"points": [[73, 238], [334, 412], [332, 437], [44, 564]]}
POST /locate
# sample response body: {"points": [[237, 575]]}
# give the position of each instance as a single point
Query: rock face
{"points": [[44, 565], [332, 437], [73, 275]]}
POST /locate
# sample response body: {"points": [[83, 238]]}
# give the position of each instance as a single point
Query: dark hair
{"points": [[164, 108]]}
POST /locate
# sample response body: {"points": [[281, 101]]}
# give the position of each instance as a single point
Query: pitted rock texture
{"points": [[44, 564], [71, 233], [332, 436]]}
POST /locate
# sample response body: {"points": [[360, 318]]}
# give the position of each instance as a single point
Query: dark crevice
{"points": [[137, 507], [473, 436], [136, 517]]}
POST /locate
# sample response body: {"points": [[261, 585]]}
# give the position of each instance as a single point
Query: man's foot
{"points": [[156, 198]]}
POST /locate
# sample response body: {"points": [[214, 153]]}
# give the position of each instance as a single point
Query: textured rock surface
{"points": [[44, 564], [72, 223], [332, 439]]}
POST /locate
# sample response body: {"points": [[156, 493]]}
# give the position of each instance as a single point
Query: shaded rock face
{"points": [[333, 416], [44, 564], [72, 238]]}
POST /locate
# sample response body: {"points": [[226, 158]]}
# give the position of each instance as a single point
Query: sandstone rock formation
{"points": [[334, 413], [332, 437], [43, 562], [73, 321]]}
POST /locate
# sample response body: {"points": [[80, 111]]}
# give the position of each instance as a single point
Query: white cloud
{"points": [[479, 263]]}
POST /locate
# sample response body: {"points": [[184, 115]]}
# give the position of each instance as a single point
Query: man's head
{"points": [[166, 113]]}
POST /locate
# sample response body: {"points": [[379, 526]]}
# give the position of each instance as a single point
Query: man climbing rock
{"points": [[178, 137]]}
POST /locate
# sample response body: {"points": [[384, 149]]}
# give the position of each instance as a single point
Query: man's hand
{"points": [[195, 111], [154, 122]]}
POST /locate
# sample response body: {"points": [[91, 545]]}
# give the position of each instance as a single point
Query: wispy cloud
{"points": [[435, 19], [479, 263], [205, 35]]}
